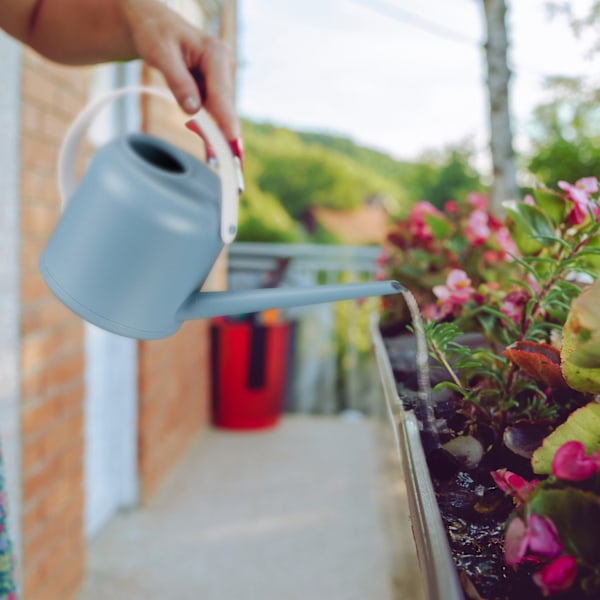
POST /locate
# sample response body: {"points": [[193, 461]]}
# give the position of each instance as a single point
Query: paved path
{"points": [[313, 509]]}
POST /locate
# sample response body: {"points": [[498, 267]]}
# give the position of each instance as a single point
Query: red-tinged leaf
{"points": [[540, 361]]}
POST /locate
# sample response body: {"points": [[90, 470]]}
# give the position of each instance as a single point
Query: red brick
{"points": [[47, 314], [43, 348]]}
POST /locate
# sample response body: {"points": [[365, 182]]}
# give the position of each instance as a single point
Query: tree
{"points": [[504, 186], [566, 132], [579, 21], [442, 176]]}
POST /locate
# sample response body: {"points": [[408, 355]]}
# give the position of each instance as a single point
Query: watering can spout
{"points": [[202, 305]]}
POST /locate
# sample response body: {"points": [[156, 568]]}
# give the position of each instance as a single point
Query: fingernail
{"points": [[190, 104], [193, 126], [237, 149]]}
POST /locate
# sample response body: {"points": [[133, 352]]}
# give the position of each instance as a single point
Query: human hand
{"points": [[177, 49]]}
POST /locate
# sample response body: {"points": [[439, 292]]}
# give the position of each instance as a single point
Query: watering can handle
{"points": [[70, 146]]}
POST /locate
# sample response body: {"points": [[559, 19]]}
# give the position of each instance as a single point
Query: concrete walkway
{"points": [[313, 509]]}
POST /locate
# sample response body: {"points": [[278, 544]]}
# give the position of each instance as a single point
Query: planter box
{"points": [[440, 577]]}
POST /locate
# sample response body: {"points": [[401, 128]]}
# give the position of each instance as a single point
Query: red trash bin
{"points": [[249, 365]]}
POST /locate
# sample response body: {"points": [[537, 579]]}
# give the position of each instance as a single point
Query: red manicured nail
{"points": [[211, 157], [237, 149]]}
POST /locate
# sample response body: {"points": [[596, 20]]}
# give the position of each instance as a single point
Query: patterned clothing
{"points": [[8, 588]]}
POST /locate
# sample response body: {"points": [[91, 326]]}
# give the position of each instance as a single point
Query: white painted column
{"points": [[111, 477]]}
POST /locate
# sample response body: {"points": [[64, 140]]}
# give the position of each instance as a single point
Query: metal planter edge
{"points": [[440, 577]]}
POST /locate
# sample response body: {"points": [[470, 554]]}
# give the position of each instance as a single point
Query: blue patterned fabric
{"points": [[8, 588]]}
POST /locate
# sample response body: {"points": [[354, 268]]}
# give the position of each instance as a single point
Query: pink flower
{"points": [[383, 257], [571, 462], [512, 310], [513, 485], [430, 312], [539, 536], [416, 221], [557, 576], [579, 194], [457, 290], [506, 243], [451, 206], [478, 201], [477, 230], [529, 200], [514, 304]]}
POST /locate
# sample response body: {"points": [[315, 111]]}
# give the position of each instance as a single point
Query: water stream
{"points": [[425, 402]]}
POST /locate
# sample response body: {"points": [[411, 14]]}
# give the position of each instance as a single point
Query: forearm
{"points": [[97, 31], [76, 31]]}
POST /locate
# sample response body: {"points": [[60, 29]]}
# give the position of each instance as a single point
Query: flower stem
{"points": [[441, 357]]}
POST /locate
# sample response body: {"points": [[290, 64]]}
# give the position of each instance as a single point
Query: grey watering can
{"points": [[141, 231]]}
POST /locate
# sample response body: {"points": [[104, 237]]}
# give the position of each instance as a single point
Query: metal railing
{"points": [[331, 368]]}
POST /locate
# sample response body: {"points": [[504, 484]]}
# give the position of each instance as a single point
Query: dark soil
{"points": [[472, 508]]}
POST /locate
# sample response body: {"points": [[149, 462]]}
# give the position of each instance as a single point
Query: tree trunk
{"points": [[504, 185]]}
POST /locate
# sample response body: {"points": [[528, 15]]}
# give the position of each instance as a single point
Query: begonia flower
{"points": [[430, 312], [451, 206], [514, 485], [506, 243], [570, 462], [478, 201], [538, 536], [417, 224], [477, 230], [458, 288], [579, 194], [557, 576]]}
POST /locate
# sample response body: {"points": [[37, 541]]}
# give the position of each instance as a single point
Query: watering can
{"points": [[143, 228]]}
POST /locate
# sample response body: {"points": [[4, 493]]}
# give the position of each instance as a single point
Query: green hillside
{"points": [[287, 172]]}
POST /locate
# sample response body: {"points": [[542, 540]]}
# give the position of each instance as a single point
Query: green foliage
{"points": [[304, 170], [300, 170], [442, 176], [263, 219], [583, 425], [573, 512], [380, 163], [522, 376], [566, 132], [313, 177]]}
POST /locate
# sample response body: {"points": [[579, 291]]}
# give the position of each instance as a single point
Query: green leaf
{"points": [[580, 352], [591, 252], [583, 425], [531, 222], [575, 513], [552, 204], [440, 226], [448, 385]]}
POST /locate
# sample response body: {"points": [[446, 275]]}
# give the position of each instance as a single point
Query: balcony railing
{"points": [[331, 366]]}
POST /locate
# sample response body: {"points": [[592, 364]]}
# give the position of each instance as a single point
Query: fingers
{"points": [[179, 79], [216, 66], [190, 61]]}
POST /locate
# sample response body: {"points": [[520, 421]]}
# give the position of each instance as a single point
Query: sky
{"points": [[401, 76]]}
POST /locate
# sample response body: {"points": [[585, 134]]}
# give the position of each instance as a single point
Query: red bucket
{"points": [[249, 366]]}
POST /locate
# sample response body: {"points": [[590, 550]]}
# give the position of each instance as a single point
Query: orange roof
{"points": [[368, 224]]}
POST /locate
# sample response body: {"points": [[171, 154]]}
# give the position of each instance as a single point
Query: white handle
{"points": [[70, 146]]}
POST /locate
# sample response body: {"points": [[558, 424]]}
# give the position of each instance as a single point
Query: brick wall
{"points": [[173, 374], [52, 353]]}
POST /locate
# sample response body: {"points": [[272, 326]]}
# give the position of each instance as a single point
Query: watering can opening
{"points": [[154, 154]]}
